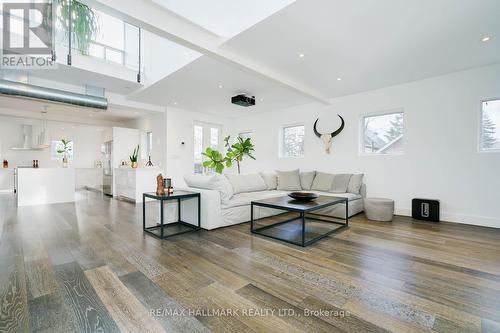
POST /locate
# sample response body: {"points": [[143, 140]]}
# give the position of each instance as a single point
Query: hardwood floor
{"points": [[88, 267]]}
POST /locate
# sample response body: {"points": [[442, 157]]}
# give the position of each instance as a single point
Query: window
{"points": [[383, 134], [489, 139], [205, 135], [149, 143], [245, 135], [292, 141], [56, 146]]}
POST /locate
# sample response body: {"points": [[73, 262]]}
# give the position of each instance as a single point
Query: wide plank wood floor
{"points": [[88, 267]]}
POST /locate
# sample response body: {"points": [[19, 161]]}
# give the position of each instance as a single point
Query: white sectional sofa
{"points": [[225, 199]]}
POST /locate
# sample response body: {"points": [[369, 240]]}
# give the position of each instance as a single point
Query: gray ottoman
{"points": [[379, 209]]}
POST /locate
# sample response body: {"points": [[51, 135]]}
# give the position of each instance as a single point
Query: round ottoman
{"points": [[379, 209]]}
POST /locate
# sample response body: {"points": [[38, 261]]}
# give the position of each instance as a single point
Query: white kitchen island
{"points": [[38, 186]]}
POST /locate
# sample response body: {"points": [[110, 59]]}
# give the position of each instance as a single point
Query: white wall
{"points": [[180, 157], [441, 157], [157, 124], [87, 143]]}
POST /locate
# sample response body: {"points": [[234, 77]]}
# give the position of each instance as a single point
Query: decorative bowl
{"points": [[303, 196]]}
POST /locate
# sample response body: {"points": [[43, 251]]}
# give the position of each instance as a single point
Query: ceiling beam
{"points": [[150, 16]]}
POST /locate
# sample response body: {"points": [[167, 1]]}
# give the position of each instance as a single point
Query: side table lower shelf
{"points": [[164, 230]]}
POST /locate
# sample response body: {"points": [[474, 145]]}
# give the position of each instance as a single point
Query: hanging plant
{"points": [[84, 23]]}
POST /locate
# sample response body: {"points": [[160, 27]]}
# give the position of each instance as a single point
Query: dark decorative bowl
{"points": [[303, 196]]}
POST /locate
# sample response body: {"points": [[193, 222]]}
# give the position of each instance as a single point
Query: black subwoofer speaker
{"points": [[425, 209]]}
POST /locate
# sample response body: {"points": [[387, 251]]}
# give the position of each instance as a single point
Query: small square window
{"points": [[57, 146], [490, 121], [383, 134], [292, 141]]}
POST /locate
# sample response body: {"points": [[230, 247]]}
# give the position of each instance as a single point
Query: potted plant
{"points": [[66, 148], [235, 153], [134, 157]]}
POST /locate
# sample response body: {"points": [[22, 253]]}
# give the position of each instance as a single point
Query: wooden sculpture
{"points": [[160, 190]]}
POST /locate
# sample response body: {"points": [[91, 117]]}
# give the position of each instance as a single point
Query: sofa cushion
{"points": [[349, 196], [306, 179], [289, 180], [340, 182], [355, 183], [246, 183], [211, 182], [244, 199], [322, 181], [271, 179]]}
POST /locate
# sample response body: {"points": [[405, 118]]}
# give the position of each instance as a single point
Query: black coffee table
{"points": [[297, 229], [163, 230]]}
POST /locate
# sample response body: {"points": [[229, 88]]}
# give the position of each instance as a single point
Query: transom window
{"points": [[245, 135], [383, 133], [292, 141], [489, 139]]}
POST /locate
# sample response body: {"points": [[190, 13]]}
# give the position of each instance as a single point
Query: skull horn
{"points": [[318, 134], [340, 128], [315, 130]]}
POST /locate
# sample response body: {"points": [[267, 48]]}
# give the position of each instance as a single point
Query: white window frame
{"points": [[55, 156], [281, 142], [361, 138], [480, 129]]}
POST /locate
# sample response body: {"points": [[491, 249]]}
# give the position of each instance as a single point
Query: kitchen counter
{"points": [[7, 180], [132, 183], [45, 186]]}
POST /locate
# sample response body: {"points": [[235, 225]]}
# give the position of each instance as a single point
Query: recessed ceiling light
{"points": [[301, 55], [339, 79], [485, 39], [221, 86], [262, 100], [175, 103]]}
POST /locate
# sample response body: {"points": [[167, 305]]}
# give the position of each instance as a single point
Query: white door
{"points": [[205, 135]]}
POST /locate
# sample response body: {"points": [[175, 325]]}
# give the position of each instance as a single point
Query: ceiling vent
{"points": [[22, 90]]}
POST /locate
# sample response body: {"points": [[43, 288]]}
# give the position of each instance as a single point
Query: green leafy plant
{"points": [[234, 153], [84, 23], [66, 148], [135, 155], [215, 160], [239, 150]]}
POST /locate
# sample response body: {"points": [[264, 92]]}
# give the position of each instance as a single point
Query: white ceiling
{"points": [[371, 44], [225, 18], [196, 87]]}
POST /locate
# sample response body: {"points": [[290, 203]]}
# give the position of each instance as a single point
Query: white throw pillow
{"points": [[270, 179], [340, 182], [211, 182], [355, 183], [323, 181], [289, 180], [251, 182], [306, 179]]}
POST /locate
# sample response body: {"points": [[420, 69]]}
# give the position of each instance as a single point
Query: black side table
{"points": [[162, 230]]}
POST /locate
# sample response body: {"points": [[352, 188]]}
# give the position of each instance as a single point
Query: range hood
{"points": [[22, 90], [28, 137]]}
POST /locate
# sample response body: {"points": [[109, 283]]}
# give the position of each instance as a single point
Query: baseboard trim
{"points": [[483, 221]]}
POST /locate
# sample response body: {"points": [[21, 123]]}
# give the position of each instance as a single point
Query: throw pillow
{"points": [[340, 182], [323, 181], [270, 179], [289, 180], [211, 182], [355, 183], [251, 182], [306, 179]]}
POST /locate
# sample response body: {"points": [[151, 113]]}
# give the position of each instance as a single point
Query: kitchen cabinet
{"points": [[132, 183]]}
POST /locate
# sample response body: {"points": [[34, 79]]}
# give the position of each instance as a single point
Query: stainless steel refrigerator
{"points": [[107, 167]]}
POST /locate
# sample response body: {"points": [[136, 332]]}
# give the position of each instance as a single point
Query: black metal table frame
{"points": [[301, 217], [162, 225]]}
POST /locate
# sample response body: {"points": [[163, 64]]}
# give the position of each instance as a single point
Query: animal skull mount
{"points": [[327, 137]]}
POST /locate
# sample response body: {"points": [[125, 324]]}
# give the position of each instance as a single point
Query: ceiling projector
{"points": [[243, 100]]}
